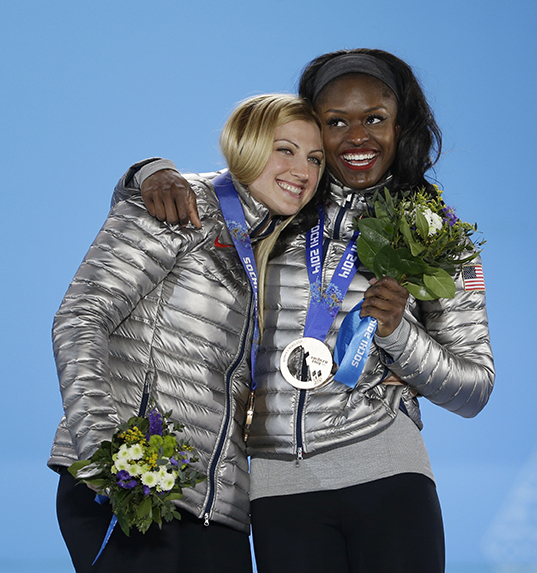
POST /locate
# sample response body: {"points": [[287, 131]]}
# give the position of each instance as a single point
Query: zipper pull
{"points": [[299, 455], [206, 520]]}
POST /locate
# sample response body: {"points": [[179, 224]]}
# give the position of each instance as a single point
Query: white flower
{"points": [[122, 465], [150, 479], [166, 482], [434, 221], [135, 470], [136, 452], [162, 472], [123, 453]]}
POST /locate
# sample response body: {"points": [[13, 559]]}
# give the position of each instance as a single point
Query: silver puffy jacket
{"points": [[447, 358], [169, 308]]}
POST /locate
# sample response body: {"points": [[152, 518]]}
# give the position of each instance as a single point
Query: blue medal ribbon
{"points": [[101, 500], [353, 345], [356, 334], [233, 213]]}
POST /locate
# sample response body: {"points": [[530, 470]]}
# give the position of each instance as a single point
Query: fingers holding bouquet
{"points": [[385, 300]]}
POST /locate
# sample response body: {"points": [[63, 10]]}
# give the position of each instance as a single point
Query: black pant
{"points": [[391, 525], [185, 545]]}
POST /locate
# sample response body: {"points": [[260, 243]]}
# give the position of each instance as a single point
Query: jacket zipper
{"points": [[212, 469], [302, 398], [299, 440]]}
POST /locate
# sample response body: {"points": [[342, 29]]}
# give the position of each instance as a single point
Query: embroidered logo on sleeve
{"points": [[220, 245], [473, 277]]}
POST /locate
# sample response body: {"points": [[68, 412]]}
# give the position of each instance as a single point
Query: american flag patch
{"points": [[473, 277]]}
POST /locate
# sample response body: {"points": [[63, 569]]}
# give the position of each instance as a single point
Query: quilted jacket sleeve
{"points": [[448, 357], [129, 185], [130, 256]]}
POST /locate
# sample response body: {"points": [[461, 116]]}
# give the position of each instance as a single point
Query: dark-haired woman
{"points": [[360, 494], [340, 477]]}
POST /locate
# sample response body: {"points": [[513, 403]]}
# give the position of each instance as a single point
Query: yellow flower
{"points": [[132, 435], [151, 458]]}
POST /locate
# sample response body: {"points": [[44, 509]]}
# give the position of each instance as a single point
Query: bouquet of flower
{"points": [[141, 470], [417, 240]]}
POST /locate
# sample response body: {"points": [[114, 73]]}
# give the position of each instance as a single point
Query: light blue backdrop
{"points": [[89, 87]]}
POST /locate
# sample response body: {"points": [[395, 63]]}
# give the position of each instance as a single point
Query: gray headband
{"points": [[355, 63]]}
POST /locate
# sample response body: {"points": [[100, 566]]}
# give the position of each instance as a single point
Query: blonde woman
{"points": [[169, 314]]}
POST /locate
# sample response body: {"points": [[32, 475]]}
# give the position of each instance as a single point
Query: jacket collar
{"points": [[255, 213], [343, 195], [344, 205]]}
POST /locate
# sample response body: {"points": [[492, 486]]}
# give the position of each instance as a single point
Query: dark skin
{"points": [[168, 197]]}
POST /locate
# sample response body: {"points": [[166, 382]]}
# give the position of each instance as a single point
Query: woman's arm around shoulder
{"points": [[166, 194]]}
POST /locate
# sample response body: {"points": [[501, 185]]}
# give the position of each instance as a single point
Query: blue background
{"points": [[89, 87]]}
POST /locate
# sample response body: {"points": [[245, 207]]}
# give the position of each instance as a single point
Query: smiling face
{"points": [[290, 176], [360, 132]]}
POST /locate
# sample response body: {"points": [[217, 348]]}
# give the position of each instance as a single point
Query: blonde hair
{"points": [[246, 142], [248, 135], [262, 257]]}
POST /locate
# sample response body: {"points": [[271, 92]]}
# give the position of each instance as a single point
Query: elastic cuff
{"points": [[395, 343], [147, 170]]}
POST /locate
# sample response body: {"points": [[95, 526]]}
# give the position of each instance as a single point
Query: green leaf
{"points": [[366, 253], [172, 496], [381, 211], [415, 248], [124, 524], [374, 232], [409, 264], [73, 468], [144, 508], [406, 231], [144, 525], [119, 497], [389, 201], [439, 282], [404, 227], [387, 263], [418, 291], [421, 224]]}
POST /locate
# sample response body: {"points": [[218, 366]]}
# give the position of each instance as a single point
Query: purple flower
{"points": [[124, 480], [127, 484], [147, 489], [155, 422], [173, 461], [449, 216]]}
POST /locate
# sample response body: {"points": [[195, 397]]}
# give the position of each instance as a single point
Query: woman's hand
{"points": [[168, 197], [385, 300]]}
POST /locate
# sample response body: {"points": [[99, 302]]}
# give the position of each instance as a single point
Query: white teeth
{"points": [[359, 157], [291, 188]]}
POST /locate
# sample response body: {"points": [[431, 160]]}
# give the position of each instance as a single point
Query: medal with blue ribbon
{"points": [[233, 213], [307, 363]]}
